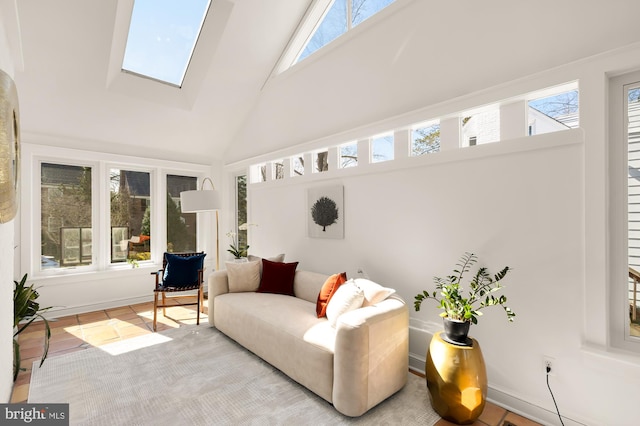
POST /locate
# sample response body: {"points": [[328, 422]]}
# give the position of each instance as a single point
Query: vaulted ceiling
{"points": [[73, 94], [71, 87]]}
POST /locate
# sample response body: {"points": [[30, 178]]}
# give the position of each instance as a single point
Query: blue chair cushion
{"points": [[182, 271]]}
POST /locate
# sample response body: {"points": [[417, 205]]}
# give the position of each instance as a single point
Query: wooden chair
{"points": [[180, 272]]}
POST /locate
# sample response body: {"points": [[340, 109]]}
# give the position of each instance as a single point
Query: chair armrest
{"points": [[218, 284], [371, 360]]}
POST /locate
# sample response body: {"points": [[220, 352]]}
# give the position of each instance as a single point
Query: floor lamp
{"points": [[203, 200]]}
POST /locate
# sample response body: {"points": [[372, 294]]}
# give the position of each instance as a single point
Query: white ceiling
{"points": [[68, 88]]}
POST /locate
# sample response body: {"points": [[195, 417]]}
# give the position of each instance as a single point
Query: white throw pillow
{"points": [[373, 292], [243, 276], [347, 298]]}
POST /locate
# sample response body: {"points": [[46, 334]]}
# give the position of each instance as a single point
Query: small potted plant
{"points": [[235, 249], [460, 310], [25, 311]]}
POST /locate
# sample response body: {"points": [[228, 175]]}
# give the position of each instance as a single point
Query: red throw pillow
{"points": [[326, 292], [277, 277]]}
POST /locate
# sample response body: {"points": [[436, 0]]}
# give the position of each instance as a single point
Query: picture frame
{"points": [[325, 212]]}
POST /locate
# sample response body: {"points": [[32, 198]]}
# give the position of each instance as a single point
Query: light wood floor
{"points": [[81, 332]]}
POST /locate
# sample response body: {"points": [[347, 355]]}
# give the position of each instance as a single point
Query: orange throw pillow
{"points": [[327, 291]]}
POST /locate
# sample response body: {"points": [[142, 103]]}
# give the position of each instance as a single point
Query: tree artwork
{"points": [[324, 212]]}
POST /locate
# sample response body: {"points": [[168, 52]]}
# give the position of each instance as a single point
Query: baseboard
{"points": [[83, 309], [508, 401]]}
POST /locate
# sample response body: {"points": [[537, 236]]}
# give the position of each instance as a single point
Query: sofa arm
{"points": [[218, 284], [371, 360]]}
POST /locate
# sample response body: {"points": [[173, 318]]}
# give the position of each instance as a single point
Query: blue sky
{"points": [[161, 38]]}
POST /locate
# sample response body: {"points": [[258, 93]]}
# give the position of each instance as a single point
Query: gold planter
{"points": [[456, 379]]}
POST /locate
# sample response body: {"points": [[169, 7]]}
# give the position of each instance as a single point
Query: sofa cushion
{"points": [[277, 277], [243, 276], [347, 298], [276, 258], [285, 332], [373, 292], [327, 291]]}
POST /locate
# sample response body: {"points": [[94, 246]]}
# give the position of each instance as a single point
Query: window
{"points": [[341, 16], [624, 211], [130, 199], [181, 227], [97, 211], [382, 148], [482, 127], [425, 139], [278, 169], [162, 38], [241, 210], [321, 161], [66, 223], [297, 168], [553, 112], [349, 155], [632, 94]]}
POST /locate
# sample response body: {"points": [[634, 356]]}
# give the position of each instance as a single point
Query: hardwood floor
{"points": [[80, 332]]}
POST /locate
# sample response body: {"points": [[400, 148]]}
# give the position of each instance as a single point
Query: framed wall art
{"points": [[9, 148], [325, 212]]}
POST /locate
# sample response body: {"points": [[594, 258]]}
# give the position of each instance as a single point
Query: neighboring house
{"points": [[485, 127]]}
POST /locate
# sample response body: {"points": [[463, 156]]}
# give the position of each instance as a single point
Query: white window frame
{"points": [[30, 236], [618, 305]]}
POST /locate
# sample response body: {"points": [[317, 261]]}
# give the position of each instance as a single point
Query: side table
{"points": [[456, 379]]}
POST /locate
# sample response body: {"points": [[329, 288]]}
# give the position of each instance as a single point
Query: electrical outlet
{"points": [[549, 365]]}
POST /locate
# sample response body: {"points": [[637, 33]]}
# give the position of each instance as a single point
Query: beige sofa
{"points": [[354, 366]]}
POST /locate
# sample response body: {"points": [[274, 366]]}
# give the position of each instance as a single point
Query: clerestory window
{"points": [[339, 17]]}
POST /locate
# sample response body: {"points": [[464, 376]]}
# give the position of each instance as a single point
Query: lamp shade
{"points": [[199, 200]]}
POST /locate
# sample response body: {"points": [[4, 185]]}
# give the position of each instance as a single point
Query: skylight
{"points": [[162, 38]]}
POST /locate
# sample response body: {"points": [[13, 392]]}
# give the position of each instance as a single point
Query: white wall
{"points": [[539, 207], [6, 264]]}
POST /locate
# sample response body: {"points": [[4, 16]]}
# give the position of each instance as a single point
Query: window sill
{"points": [[611, 361]]}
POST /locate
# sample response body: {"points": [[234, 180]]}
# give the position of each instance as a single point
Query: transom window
{"points": [[162, 38]]}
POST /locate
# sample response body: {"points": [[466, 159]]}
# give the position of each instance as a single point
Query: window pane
{"points": [[349, 155], [181, 227], [425, 139], [481, 128], [65, 216], [130, 209], [382, 148], [321, 161], [364, 9], [241, 210], [298, 165], [554, 113], [633, 203], [278, 169], [333, 25]]}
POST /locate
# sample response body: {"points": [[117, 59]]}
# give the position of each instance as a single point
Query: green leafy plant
{"points": [[25, 311], [451, 296]]}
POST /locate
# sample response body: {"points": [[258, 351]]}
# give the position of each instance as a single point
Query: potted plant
{"points": [[235, 249], [26, 310], [460, 310]]}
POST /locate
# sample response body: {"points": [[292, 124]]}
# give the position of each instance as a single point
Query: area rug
{"points": [[195, 375]]}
